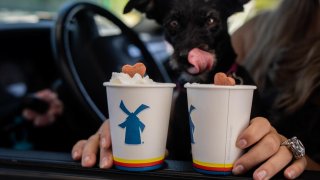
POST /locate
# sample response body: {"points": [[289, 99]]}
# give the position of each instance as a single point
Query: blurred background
{"points": [[35, 10]]}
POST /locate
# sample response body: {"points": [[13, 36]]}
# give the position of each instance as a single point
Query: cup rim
{"points": [[154, 85], [213, 86]]}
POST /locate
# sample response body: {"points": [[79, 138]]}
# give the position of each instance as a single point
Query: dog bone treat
{"points": [[131, 75], [139, 68], [222, 79]]}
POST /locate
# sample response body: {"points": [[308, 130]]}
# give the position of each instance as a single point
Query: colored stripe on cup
{"points": [[213, 172], [139, 169], [212, 166], [124, 163]]}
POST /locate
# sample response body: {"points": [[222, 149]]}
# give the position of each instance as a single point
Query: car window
{"points": [[250, 10], [32, 11]]}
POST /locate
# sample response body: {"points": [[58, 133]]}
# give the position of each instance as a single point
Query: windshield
{"points": [[32, 11]]}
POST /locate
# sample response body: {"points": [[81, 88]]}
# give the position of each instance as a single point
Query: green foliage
{"points": [[265, 4], [116, 6]]}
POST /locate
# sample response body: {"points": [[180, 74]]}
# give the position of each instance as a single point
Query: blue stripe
{"points": [[213, 172], [137, 169]]}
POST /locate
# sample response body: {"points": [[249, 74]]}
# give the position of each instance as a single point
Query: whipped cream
{"points": [[123, 78]]}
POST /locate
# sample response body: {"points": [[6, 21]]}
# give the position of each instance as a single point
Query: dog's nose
{"points": [[204, 47]]}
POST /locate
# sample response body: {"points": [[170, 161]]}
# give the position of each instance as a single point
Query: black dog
{"points": [[198, 32]]}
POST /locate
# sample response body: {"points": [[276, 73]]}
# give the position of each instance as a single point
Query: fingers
{"points": [[296, 168], [278, 162], [264, 149], [257, 129], [43, 120], [29, 114], [55, 105], [105, 139], [55, 109], [266, 143], [46, 95], [77, 149], [106, 160], [266, 152], [100, 139], [38, 120], [87, 150], [273, 165], [90, 151]]}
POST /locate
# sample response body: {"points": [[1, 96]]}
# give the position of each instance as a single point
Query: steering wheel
{"points": [[87, 58]]}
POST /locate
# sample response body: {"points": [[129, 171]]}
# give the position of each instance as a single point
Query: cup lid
{"points": [[213, 86], [154, 85]]}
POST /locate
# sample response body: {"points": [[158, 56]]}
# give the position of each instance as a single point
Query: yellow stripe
{"points": [[212, 164], [138, 161]]}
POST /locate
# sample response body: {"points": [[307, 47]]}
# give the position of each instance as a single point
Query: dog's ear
{"points": [[234, 6], [140, 5], [154, 9], [243, 1]]}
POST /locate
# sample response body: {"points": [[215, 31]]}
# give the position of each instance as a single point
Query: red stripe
{"points": [[212, 168], [138, 164]]}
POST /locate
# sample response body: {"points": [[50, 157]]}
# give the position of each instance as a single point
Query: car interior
{"points": [[73, 54]]}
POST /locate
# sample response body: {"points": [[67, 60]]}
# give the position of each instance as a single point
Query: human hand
{"points": [[55, 109], [86, 150], [266, 151]]}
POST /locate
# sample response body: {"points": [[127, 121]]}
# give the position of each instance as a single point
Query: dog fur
{"points": [[190, 24]]}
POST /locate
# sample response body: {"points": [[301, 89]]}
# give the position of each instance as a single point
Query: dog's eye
{"points": [[211, 22], [174, 24]]}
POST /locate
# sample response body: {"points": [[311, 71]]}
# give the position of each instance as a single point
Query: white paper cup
{"points": [[217, 115], [139, 118]]}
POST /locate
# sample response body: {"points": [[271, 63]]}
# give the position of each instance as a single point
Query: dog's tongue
{"points": [[201, 61]]}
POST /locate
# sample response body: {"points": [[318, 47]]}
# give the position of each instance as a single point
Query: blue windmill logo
{"points": [[192, 127], [132, 124]]}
